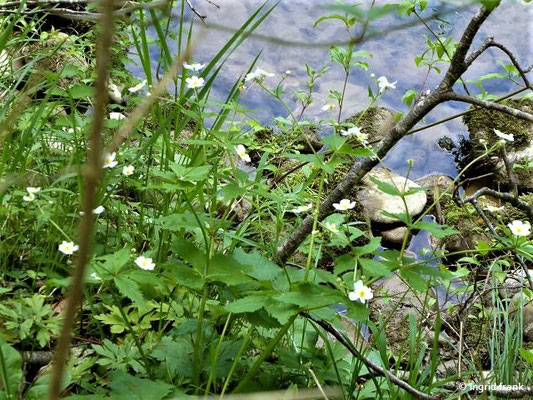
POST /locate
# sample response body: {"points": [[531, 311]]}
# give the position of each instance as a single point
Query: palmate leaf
{"points": [[309, 295], [374, 268]]}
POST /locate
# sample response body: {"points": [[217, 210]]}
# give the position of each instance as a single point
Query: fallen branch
{"points": [[522, 205]]}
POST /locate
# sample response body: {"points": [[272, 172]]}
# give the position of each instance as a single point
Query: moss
{"points": [[482, 122]]}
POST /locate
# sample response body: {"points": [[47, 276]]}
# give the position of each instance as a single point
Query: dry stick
{"points": [[92, 171], [361, 167], [202, 17], [368, 362]]}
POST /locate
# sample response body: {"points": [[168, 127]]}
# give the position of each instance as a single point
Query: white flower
{"points": [[372, 75], [257, 74], [68, 247], [116, 115], [137, 87], [356, 131], [194, 66], [360, 292], [241, 152], [145, 263], [288, 72], [344, 205], [95, 276], [109, 160], [128, 170], [329, 106], [384, 84], [31, 193], [194, 82], [330, 226], [519, 228], [97, 211], [509, 137], [490, 208], [301, 209], [115, 91], [29, 197]]}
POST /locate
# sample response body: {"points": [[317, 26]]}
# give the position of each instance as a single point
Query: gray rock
{"points": [[514, 282], [395, 235], [393, 301], [374, 201]]}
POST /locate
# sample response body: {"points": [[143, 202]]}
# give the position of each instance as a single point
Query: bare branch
{"points": [[491, 105], [522, 205]]}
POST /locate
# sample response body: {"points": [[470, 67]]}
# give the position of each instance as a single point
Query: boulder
{"points": [[481, 125], [394, 235], [374, 201], [375, 122], [393, 301]]}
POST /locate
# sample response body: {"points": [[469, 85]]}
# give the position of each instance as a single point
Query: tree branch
{"points": [[491, 105], [522, 205], [361, 167]]}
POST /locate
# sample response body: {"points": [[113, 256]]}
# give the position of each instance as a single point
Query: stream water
{"points": [[393, 56]]}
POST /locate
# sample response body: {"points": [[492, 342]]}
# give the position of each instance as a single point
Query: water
{"points": [[393, 57]]}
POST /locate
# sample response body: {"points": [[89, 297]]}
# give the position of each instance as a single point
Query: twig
{"points": [[484, 217], [522, 205], [369, 363], [93, 171], [202, 17]]}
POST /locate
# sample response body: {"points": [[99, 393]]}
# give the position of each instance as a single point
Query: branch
{"points": [[522, 205], [369, 363], [402, 128], [491, 105]]}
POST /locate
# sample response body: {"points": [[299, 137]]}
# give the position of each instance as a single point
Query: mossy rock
{"points": [[482, 122], [375, 122], [54, 53]]}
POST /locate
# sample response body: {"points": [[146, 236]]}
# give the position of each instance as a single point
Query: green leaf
{"points": [[374, 268], [191, 174], [81, 91], [309, 295], [127, 387], [113, 263], [261, 268], [129, 288], [176, 355], [249, 304], [386, 187], [372, 246], [11, 376], [527, 354], [435, 229]]}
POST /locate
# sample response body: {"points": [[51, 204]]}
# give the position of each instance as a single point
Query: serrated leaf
{"points": [[386, 187], [374, 268], [368, 248], [261, 268], [81, 91], [129, 288], [309, 295]]}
